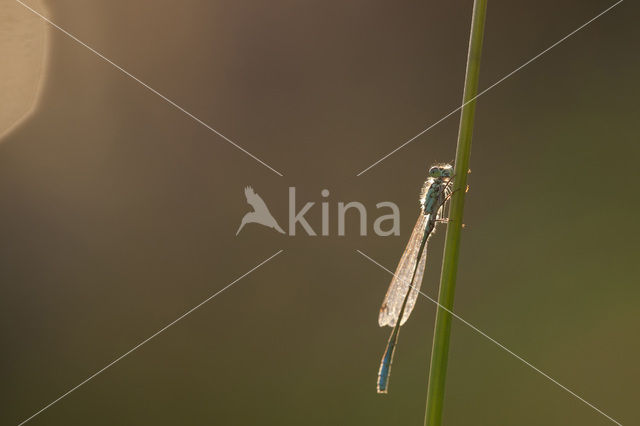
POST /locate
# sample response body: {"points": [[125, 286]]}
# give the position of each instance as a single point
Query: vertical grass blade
{"points": [[440, 348]]}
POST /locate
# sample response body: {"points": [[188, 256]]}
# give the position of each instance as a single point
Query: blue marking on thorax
{"points": [[432, 197]]}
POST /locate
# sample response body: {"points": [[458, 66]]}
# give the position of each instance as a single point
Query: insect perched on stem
{"points": [[404, 288]]}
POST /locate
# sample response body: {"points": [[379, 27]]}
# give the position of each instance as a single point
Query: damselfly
{"points": [[404, 288]]}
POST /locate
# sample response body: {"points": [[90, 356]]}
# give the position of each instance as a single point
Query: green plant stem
{"points": [[442, 331]]}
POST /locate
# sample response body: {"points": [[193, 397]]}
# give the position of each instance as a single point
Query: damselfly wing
{"points": [[390, 309]]}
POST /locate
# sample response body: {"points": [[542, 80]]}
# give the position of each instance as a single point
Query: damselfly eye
{"points": [[447, 172], [435, 171]]}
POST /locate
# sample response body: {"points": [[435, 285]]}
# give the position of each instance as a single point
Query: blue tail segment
{"points": [[385, 364]]}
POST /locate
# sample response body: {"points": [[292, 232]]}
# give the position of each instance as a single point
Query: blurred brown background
{"points": [[24, 47], [118, 213]]}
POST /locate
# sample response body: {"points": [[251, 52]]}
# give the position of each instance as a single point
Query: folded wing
{"points": [[393, 300]]}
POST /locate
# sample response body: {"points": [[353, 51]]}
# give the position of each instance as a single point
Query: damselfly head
{"points": [[434, 172], [441, 171]]}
